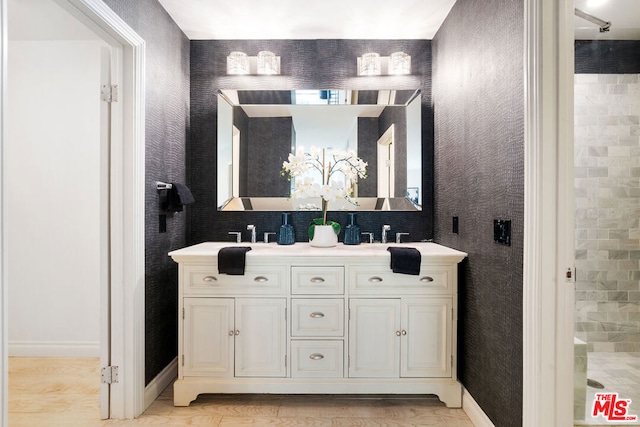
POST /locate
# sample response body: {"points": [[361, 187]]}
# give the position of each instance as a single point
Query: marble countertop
{"points": [[300, 249]]}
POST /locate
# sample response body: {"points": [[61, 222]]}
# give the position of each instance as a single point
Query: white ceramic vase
{"points": [[324, 237]]}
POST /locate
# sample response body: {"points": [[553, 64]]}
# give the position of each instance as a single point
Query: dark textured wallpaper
{"points": [[306, 64], [478, 95], [607, 56], [167, 125]]}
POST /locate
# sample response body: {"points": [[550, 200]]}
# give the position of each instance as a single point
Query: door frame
{"points": [[548, 293], [127, 212]]}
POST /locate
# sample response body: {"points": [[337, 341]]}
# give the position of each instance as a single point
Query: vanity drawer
{"points": [[317, 280], [432, 280], [317, 359], [317, 317], [263, 280]]}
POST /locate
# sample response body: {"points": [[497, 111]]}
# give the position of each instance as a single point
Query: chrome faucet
{"points": [[399, 237], [252, 228], [385, 228], [238, 235]]}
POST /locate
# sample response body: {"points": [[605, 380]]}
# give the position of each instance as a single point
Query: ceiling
{"points": [[296, 19], [360, 19]]}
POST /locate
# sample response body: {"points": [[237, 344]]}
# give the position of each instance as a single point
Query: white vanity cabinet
{"points": [[400, 338], [305, 320]]}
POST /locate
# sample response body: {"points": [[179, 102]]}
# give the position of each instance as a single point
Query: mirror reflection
{"points": [[258, 129]]}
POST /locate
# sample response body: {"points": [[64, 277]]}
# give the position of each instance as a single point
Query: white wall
{"points": [[53, 201]]}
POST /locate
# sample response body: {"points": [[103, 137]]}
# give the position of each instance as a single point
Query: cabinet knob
{"points": [[317, 280], [316, 356], [209, 279], [404, 332], [231, 333], [426, 279], [316, 315], [398, 333], [237, 332], [375, 279], [260, 279]]}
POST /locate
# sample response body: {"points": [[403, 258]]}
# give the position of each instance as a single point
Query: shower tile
{"points": [[585, 79], [606, 79], [627, 78], [629, 120]]}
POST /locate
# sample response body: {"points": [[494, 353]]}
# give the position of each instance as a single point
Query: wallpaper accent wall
{"points": [[607, 56], [478, 94], [167, 125], [306, 64]]}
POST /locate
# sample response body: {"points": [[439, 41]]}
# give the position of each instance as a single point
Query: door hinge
{"points": [[570, 275], [285, 360], [109, 375], [285, 314], [452, 360], [453, 313], [182, 313], [349, 316], [183, 360], [109, 93]]}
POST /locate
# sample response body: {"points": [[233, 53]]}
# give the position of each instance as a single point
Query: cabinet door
{"points": [[208, 337], [260, 337], [426, 337], [374, 338]]}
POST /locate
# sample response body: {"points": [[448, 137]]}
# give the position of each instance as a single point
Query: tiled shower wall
{"points": [[607, 181]]}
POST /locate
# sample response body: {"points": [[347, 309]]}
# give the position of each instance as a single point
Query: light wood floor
{"points": [[65, 392]]}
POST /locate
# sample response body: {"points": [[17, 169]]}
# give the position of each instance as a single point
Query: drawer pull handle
{"points": [[426, 279], [316, 356], [209, 279], [316, 315], [260, 279], [237, 332], [404, 332], [230, 333], [375, 279], [317, 280], [398, 333]]}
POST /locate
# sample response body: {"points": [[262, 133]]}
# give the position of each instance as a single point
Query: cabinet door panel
{"points": [[373, 344], [426, 331], [261, 337], [208, 346]]}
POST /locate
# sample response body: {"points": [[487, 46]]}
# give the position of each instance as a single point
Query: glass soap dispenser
{"points": [[352, 231], [286, 236]]}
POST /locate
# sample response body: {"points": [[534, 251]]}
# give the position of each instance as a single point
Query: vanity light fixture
{"points": [[268, 63], [372, 64], [369, 64], [238, 63], [399, 63]]}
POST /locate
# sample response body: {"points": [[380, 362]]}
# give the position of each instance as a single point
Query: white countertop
{"points": [[300, 249]]}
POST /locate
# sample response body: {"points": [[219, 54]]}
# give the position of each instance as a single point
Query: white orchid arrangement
{"points": [[331, 166]]}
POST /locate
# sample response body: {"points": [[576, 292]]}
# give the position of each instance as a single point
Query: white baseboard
{"points": [[160, 382], [474, 411], [53, 349]]}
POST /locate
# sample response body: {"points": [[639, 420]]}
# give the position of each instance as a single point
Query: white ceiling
{"points": [[298, 19], [360, 19]]}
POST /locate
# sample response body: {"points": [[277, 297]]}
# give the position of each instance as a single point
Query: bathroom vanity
{"points": [[305, 320]]}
